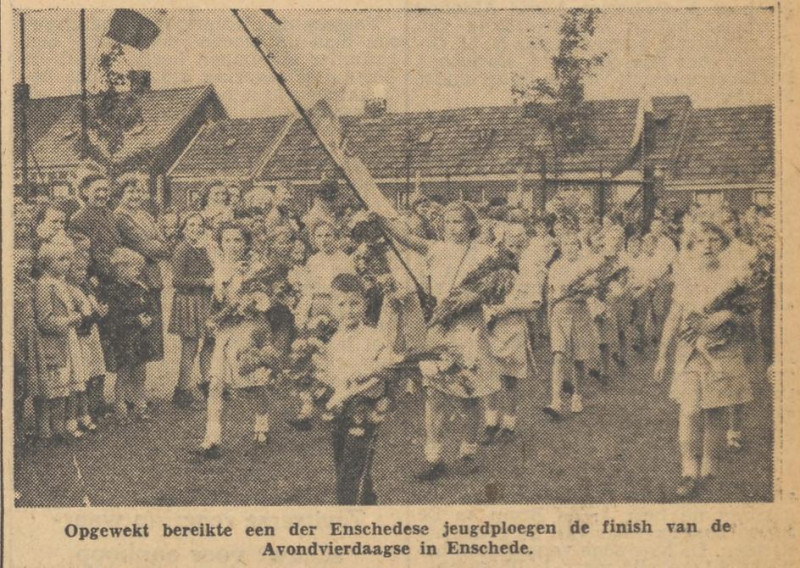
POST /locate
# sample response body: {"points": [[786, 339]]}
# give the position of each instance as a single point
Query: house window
{"points": [[709, 197], [762, 198]]}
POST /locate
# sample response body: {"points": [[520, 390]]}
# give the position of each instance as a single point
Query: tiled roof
{"points": [[668, 122], [727, 146], [465, 141], [231, 148], [163, 112], [41, 114]]}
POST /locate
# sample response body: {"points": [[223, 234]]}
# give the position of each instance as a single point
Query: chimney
{"points": [[375, 107], [139, 80]]}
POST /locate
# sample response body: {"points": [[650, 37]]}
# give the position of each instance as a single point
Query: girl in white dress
{"points": [[231, 340], [702, 347], [467, 372], [572, 337], [509, 336]]}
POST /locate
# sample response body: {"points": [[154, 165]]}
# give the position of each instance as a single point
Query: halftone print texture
{"points": [[356, 257]]}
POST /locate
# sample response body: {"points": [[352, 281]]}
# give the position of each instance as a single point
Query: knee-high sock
{"points": [[690, 425]]}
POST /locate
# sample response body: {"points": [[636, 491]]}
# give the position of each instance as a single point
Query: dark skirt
{"points": [[190, 312], [155, 333], [134, 346]]}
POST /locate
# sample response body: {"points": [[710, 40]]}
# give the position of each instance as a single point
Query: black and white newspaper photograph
{"points": [[429, 284]]}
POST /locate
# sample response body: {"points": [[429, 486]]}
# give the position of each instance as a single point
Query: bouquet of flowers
{"points": [[301, 370], [747, 278], [261, 287], [594, 279], [488, 283]]}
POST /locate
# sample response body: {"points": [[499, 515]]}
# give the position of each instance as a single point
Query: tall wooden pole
{"points": [[307, 120], [23, 108], [84, 136]]}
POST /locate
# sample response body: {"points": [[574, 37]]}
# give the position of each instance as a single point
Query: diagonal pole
{"points": [[304, 115]]}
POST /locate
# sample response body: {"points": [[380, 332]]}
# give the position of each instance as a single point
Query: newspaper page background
{"points": [[708, 70]]}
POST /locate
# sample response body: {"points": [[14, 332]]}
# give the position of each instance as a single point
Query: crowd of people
{"points": [[350, 311]]}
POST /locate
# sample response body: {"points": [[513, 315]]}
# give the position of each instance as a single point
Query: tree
{"points": [[559, 103], [111, 113]]}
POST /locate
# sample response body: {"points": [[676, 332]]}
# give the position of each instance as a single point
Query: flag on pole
{"points": [[313, 91], [136, 28]]}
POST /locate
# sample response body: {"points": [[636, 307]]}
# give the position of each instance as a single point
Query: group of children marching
{"points": [[594, 291]]}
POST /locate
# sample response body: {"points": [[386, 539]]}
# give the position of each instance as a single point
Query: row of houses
{"points": [[187, 139]]}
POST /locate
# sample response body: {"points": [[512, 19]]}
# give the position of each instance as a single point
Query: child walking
{"points": [[266, 335], [353, 364], [702, 349], [509, 335], [572, 337], [466, 371], [193, 280]]}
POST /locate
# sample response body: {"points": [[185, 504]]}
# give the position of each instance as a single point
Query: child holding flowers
{"points": [[703, 339], [253, 329], [355, 364]]}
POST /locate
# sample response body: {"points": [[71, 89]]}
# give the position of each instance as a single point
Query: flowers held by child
{"points": [[303, 362], [488, 283], [260, 288]]}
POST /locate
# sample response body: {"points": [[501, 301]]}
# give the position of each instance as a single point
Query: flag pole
{"points": [[23, 109], [83, 83], [304, 115]]}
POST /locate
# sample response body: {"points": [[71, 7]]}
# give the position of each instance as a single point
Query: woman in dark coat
{"points": [[140, 232]]}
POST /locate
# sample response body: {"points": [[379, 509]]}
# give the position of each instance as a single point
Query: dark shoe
{"points": [[554, 414], [181, 398], [506, 436], [431, 472], [210, 453], [203, 388], [567, 388], [301, 424], [489, 435], [599, 377], [467, 465], [686, 488]]}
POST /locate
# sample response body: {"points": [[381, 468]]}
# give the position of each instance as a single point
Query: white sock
{"points": [[467, 449], [708, 466], [433, 452], [261, 423], [213, 434], [491, 418], [690, 467], [72, 425], [509, 422]]}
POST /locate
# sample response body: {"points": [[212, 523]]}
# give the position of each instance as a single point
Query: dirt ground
{"points": [[622, 448]]}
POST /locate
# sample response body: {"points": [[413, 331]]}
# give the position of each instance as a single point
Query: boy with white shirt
{"points": [[354, 363]]}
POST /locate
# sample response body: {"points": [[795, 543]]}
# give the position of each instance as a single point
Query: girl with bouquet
{"points": [[702, 344], [572, 339], [252, 331], [509, 334], [465, 371]]}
